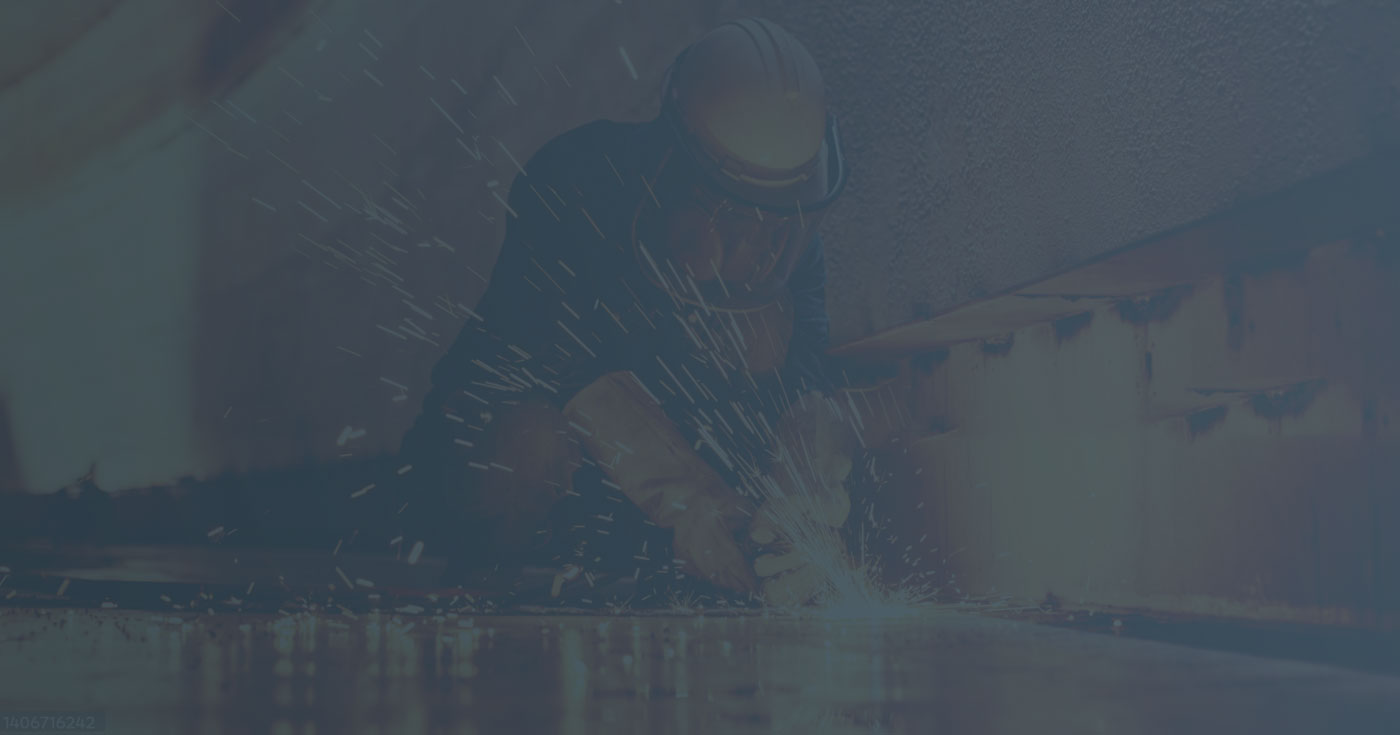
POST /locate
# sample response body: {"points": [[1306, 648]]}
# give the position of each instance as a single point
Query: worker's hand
{"points": [[805, 502], [799, 572], [790, 580], [802, 545], [656, 468], [707, 540]]}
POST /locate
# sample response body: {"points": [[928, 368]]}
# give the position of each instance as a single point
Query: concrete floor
{"points": [[928, 671]]}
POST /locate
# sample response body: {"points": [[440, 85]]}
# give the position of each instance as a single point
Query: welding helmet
{"points": [[754, 165]]}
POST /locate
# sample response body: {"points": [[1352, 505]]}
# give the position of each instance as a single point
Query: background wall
{"points": [[993, 144], [237, 235]]}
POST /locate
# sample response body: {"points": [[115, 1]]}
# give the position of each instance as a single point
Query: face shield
{"points": [[731, 232]]}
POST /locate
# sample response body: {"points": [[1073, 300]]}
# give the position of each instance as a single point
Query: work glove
{"points": [[644, 454], [805, 502]]}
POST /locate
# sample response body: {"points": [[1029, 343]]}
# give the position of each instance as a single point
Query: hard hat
{"points": [[757, 159]]}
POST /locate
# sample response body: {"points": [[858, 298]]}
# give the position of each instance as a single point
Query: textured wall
{"points": [[993, 145], [217, 206]]}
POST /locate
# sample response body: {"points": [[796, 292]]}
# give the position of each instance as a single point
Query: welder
{"points": [[641, 391]]}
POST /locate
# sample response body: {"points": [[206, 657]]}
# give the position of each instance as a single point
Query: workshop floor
{"points": [[934, 671]]}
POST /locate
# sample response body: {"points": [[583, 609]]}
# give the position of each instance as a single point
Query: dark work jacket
{"points": [[569, 302]]}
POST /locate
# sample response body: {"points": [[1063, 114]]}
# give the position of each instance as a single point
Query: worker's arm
{"points": [[490, 446], [548, 339], [805, 367], [643, 453]]}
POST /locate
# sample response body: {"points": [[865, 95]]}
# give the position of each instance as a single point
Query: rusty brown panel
{"points": [[1067, 327], [197, 50], [984, 320], [1156, 307], [41, 32], [1269, 234], [1201, 422]]}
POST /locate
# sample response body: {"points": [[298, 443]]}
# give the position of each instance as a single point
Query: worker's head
{"points": [[757, 160]]}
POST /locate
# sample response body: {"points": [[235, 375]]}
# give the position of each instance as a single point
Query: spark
{"points": [[446, 115], [614, 169], [610, 313], [348, 434], [591, 222], [417, 308], [522, 40], [309, 185], [580, 429], [289, 166], [545, 203], [580, 342], [221, 141], [373, 78], [279, 134], [504, 204], [264, 204], [235, 106], [479, 277], [388, 272], [226, 10], [505, 150], [628, 61], [322, 22], [415, 553], [506, 92], [288, 74], [314, 213], [674, 379]]}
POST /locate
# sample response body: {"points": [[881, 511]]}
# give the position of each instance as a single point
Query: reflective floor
{"points": [[158, 672]]}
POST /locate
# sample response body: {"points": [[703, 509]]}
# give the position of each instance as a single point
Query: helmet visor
{"points": [[738, 242]]}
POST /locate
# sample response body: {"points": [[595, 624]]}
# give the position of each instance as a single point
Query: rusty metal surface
{"points": [[940, 672]]}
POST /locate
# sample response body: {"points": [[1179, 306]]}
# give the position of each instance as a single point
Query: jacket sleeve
{"points": [[535, 334], [805, 368]]}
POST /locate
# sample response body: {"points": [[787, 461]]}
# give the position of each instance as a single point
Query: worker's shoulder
{"points": [[590, 151]]}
